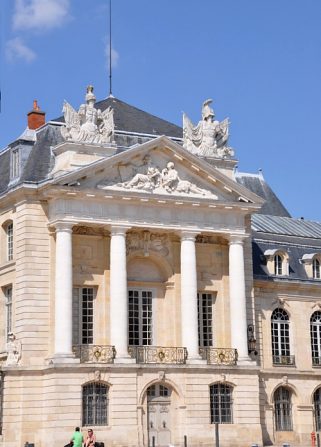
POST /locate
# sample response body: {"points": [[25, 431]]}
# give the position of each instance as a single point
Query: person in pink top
{"points": [[90, 439]]}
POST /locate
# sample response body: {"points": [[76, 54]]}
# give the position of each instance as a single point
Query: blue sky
{"points": [[260, 61]]}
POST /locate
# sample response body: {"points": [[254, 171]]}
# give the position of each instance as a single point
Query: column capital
{"points": [[64, 226], [237, 239], [119, 230], [188, 235]]}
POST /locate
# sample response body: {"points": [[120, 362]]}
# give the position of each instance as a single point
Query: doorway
{"points": [[159, 415]]}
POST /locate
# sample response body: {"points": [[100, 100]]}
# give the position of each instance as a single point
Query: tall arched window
{"points": [[317, 409], [95, 404], [316, 268], [221, 404], [315, 332], [280, 330], [278, 261], [283, 409]]}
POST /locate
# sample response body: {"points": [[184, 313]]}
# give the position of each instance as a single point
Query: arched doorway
{"points": [[159, 415]]}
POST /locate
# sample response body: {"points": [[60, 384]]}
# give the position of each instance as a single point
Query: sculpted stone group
{"points": [[89, 125], [210, 137], [150, 178]]}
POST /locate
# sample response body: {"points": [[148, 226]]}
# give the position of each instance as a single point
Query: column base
{"points": [[246, 361], [196, 361], [124, 360], [63, 358]]}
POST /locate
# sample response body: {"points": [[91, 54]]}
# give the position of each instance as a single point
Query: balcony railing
{"points": [[283, 360], [316, 361], [95, 353], [219, 356], [158, 354]]}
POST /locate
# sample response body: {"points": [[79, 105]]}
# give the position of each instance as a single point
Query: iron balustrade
{"points": [[283, 360], [158, 354], [95, 353], [219, 356]]}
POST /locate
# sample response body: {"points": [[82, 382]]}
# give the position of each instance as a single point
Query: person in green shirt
{"points": [[77, 438]]}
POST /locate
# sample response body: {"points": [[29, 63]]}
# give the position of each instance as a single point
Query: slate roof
{"points": [[257, 184], [296, 237], [128, 118]]}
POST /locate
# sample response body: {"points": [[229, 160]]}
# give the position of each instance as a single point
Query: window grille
{"points": [[283, 409], [315, 332], [95, 404], [317, 409], [221, 404], [8, 294], [278, 265], [316, 268], [205, 319], [10, 241], [83, 315], [280, 329], [140, 317]]}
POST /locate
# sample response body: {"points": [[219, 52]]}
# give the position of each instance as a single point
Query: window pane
{"points": [[87, 312], [221, 404], [283, 409], [10, 242], [280, 333], [205, 319], [140, 317], [8, 293], [95, 404]]}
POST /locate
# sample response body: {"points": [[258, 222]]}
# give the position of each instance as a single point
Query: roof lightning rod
{"points": [[110, 47]]}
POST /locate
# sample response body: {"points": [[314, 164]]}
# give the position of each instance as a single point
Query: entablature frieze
{"points": [[141, 214]]}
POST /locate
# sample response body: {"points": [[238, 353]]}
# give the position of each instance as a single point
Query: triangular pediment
{"points": [[159, 167]]}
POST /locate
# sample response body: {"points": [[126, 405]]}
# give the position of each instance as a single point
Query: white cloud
{"points": [[114, 56], [17, 49], [40, 15]]}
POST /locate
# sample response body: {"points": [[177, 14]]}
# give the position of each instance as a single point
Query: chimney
{"points": [[36, 118]]}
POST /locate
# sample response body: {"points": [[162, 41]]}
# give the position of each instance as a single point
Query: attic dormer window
{"points": [[15, 164], [312, 263], [277, 262]]}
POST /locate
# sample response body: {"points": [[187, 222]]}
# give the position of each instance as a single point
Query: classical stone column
{"points": [[118, 293], [63, 291], [238, 297], [189, 319]]}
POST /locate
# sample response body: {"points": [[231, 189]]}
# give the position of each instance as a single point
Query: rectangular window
{"points": [[221, 404], [10, 242], [205, 319], [83, 315], [15, 163], [8, 294], [140, 317]]}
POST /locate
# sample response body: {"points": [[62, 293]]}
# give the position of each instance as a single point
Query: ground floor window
{"points": [[221, 404], [283, 409], [95, 404]]}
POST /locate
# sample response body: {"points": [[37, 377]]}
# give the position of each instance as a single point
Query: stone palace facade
{"points": [[150, 291]]}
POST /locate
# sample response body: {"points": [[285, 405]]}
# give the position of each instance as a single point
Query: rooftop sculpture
{"points": [[209, 138], [88, 125]]}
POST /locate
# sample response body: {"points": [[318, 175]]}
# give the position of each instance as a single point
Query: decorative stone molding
{"points": [[88, 125], [13, 349], [89, 231], [210, 137], [161, 375], [150, 178], [147, 241]]}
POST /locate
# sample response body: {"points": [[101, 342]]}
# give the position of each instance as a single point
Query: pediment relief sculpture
{"points": [[146, 241], [148, 177], [209, 138], [88, 125]]}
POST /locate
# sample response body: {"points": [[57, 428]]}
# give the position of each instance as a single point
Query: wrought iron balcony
{"points": [[219, 356], [158, 354], [283, 360], [95, 353]]}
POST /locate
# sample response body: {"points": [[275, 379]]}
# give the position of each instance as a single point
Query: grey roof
{"points": [[131, 119], [286, 226], [257, 184]]}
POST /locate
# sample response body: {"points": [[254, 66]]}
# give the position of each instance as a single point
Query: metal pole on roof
{"points": [[110, 68]]}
